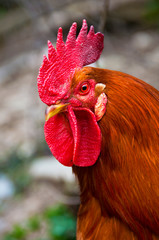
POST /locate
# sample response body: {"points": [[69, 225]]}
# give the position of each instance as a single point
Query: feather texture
{"points": [[115, 159], [122, 188]]}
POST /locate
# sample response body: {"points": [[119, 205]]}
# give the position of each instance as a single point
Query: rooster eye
{"points": [[84, 89]]}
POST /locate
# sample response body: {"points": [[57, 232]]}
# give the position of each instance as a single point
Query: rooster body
{"points": [[120, 193], [105, 124]]}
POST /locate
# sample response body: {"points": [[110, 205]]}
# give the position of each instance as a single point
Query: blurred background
{"points": [[38, 196]]}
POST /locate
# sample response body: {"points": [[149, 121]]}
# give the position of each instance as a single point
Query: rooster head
{"points": [[76, 101]]}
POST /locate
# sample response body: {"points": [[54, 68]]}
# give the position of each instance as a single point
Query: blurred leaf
{"points": [[56, 211], [63, 227], [3, 11], [34, 223], [8, 237], [62, 223], [18, 233], [152, 11]]}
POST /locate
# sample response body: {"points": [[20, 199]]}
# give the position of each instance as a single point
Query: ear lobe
{"points": [[100, 106], [99, 88]]}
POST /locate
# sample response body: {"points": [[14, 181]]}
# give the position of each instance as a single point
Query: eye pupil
{"points": [[84, 87]]}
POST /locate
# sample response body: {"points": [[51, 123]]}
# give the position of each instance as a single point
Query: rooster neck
{"points": [[114, 197], [124, 180], [92, 185]]}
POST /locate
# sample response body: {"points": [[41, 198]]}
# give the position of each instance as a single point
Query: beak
{"points": [[54, 109]]}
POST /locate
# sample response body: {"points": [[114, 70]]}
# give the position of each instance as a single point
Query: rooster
{"points": [[105, 125]]}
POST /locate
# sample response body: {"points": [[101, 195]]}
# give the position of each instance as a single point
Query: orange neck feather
{"points": [[124, 179]]}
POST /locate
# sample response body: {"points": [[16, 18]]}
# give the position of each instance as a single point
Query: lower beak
{"points": [[54, 109]]}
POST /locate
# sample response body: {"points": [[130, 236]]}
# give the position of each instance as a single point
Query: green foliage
{"points": [[3, 11], [21, 232], [152, 12], [60, 225], [34, 223], [18, 233]]}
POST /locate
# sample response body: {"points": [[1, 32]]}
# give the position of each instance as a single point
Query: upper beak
{"points": [[54, 109]]}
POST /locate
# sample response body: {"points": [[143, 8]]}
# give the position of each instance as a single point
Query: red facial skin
{"points": [[67, 133], [84, 99]]}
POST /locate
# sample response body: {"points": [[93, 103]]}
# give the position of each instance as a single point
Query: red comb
{"points": [[55, 74]]}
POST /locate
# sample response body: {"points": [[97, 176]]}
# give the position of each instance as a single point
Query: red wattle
{"points": [[74, 137], [87, 136], [59, 138]]}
